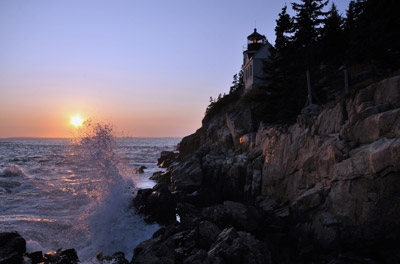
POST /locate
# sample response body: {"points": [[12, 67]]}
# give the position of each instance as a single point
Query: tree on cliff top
{"points": [[332, 38], [309, 18]]}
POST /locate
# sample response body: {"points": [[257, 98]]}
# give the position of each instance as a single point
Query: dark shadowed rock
{"points": [[62, 256], [238, 247], [36, 257], [187, 175], [243, 217], [157, 204], [162, 177], [191, 143], [166, 163], [201, 197], [215, 214], [140, 169], [166, 158], [12, 248], [208, 232], [116, 258], [197, 256], [189, 215], [159, 249]]}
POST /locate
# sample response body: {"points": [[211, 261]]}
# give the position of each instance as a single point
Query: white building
{"points": [[257, 52]]}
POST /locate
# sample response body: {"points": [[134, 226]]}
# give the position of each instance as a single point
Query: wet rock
{"points": [[62, 256], [166, 158], [166, 163], [155, 250], [12, 248], [140, 169], [36, 257], [162, 177], [157, 204]]}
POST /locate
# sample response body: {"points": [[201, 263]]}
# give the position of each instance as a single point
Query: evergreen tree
{"points": [[308, 21], [281, 99], [355, 36], [353, 14], [332, 38], [372, 31], [237, 83], [280, 61], [283, 29], [382, 20], [307, 27]]}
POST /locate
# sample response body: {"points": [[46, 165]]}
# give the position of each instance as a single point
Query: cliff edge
{"points": [[323, 190], [337, 173]]}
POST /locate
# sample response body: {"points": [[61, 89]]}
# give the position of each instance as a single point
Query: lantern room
{"points": [[255, 41]]}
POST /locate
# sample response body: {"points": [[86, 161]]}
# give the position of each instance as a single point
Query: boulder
{"points": [[166, 158], [162, 177], [190, 144], [242, 217], [140, 169], [215, 214], [36, 257], [12, 248], [238, 247], [157, 204], [208, 232], [62, 256], [160, 248], [165, 164]]}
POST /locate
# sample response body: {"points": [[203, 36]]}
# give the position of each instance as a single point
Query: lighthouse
{"points": [[257, 51]]}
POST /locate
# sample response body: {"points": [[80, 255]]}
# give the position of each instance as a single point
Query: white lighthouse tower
{"points": [[257, 51]]}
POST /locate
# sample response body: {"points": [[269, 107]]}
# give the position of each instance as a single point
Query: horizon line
{"points": [[74, 137]]}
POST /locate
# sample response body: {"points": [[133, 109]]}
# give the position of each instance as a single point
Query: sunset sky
{"points": [[147, 67]]}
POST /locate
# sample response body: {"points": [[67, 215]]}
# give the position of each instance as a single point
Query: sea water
{"points": [[63, 193]]}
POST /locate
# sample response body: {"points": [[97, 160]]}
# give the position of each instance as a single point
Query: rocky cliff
{"points": [[335, 174], [323, 190]]}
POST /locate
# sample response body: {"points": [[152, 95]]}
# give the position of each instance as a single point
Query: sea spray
{"points": [[61, 196], [111, 224]]}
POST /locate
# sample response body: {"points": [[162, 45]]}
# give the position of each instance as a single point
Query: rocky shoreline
{"points": [[324, 190]]}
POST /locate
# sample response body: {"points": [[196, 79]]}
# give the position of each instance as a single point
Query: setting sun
{"points": [[76, 121]]}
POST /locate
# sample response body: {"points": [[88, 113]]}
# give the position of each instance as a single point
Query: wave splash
{"points": [[111, 224], [13, 171]]}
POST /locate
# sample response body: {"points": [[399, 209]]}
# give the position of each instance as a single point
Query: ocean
{"points": [[76, 193]]}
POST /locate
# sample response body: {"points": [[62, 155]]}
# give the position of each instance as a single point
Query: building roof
{"points": [[255, 35]]}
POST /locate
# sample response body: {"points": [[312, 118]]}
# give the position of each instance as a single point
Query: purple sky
{"points": [[147, 67]]}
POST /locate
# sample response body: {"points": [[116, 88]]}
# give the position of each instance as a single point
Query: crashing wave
{"points": [[13, 171], [112, 225]]}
